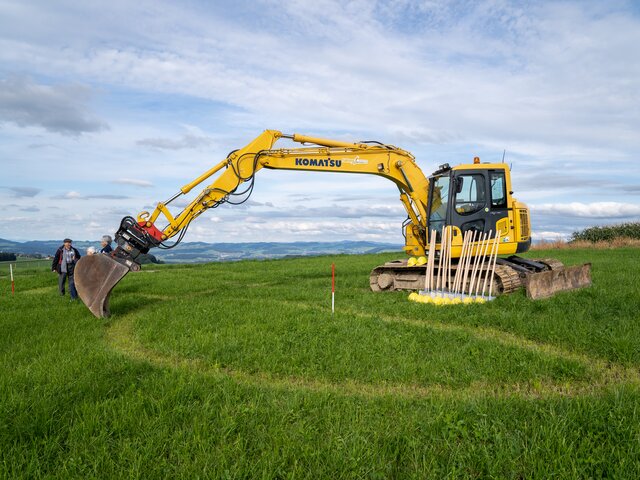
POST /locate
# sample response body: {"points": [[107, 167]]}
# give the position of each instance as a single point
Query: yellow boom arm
{"points": [[325, 155]]}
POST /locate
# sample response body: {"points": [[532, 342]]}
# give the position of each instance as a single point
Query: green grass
{"points": [[239, 370]]}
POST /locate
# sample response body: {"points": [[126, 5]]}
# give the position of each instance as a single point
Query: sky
{"points": [[107, 108]]}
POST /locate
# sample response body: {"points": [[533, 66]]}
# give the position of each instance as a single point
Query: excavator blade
{"points": [[546, 284], [95, 277]]}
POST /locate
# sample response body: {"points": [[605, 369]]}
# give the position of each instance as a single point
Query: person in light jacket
{"points": [[64, 263]]}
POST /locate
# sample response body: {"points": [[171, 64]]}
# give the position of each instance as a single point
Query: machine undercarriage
{"points": [[541, 278]]}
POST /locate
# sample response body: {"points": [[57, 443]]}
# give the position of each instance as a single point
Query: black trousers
{"points": [[62, 277]]}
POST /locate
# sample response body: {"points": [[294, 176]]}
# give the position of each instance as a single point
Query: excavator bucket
{"points": [[95, 277], [546, 284]]}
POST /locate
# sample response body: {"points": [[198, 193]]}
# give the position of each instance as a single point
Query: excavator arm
{"points": [[241, 166], [97, 275]]}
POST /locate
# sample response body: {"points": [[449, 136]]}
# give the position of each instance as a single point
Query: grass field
{"points": [[239, 370]]}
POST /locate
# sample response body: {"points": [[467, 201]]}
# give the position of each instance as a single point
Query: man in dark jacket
{"points": [[64, 262]]}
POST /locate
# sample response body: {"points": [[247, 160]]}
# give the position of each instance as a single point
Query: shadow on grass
{"points": [[125, 306]]}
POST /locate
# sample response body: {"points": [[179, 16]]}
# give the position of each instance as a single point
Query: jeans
{"points": [[62, 277]]}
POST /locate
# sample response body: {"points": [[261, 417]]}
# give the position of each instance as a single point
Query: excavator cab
{"points": [[478, 198]]}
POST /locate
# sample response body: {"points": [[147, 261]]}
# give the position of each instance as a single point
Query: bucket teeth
{"points": [[95, 277]]}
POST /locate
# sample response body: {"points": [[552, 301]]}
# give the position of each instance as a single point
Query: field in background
{"points": [[24, 266], [240, 370], [605, 233], [587, 244], [600, 237]]}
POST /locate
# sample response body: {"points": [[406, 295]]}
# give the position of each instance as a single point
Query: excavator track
{"points": [[397, 275], [552, 263], [508, 280], [541, 278]]}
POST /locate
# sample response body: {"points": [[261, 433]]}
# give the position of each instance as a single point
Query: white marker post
{"points": [[333, 288], [13, 286]]}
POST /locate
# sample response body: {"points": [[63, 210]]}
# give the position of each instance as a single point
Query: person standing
{"points": [[64, 263], [106, 244]]}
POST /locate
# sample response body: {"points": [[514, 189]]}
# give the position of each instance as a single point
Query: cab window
{"points": [[498, 190], [439, 202], [470, 194]]}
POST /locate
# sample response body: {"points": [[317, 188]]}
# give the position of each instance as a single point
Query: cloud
{"points": [[327, 230], [24, 191], [253, 203], [303, 197], [37, 146], [106, 197], [57, 108], [70, 196], [589, 210], [187, 141], [30, 209], [538, 236], [499, 72], [73, 195], [333, 211], [134, 182], [557, 181], [355, 198]]}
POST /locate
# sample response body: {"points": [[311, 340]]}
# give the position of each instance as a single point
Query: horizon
{"points": [[215, 243]]}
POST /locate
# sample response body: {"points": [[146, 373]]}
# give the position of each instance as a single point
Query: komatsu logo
{"points": [[318, 162], [327, 162]]}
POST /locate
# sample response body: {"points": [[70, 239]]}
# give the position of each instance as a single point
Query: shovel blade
{"points": [[95, 277], [546, 284]]}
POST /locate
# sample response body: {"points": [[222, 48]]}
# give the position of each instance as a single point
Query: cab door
{"points": [[498, 202], [469, 209], [479, 200]]}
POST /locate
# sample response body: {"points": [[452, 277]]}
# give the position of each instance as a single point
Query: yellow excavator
{"points": [[470, 197]]}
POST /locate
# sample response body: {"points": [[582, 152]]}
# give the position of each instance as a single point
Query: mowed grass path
{"points": [[239, 370]]}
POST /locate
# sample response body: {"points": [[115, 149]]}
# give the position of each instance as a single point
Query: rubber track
{"points": [[509, 280]]}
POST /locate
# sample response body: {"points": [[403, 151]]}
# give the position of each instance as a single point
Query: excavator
{"points": [[474, 197]]}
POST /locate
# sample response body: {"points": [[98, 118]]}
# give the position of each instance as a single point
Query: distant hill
{"points": [[200, 252]]}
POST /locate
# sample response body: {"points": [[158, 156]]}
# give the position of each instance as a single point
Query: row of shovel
{"points": [[467, 281]]}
